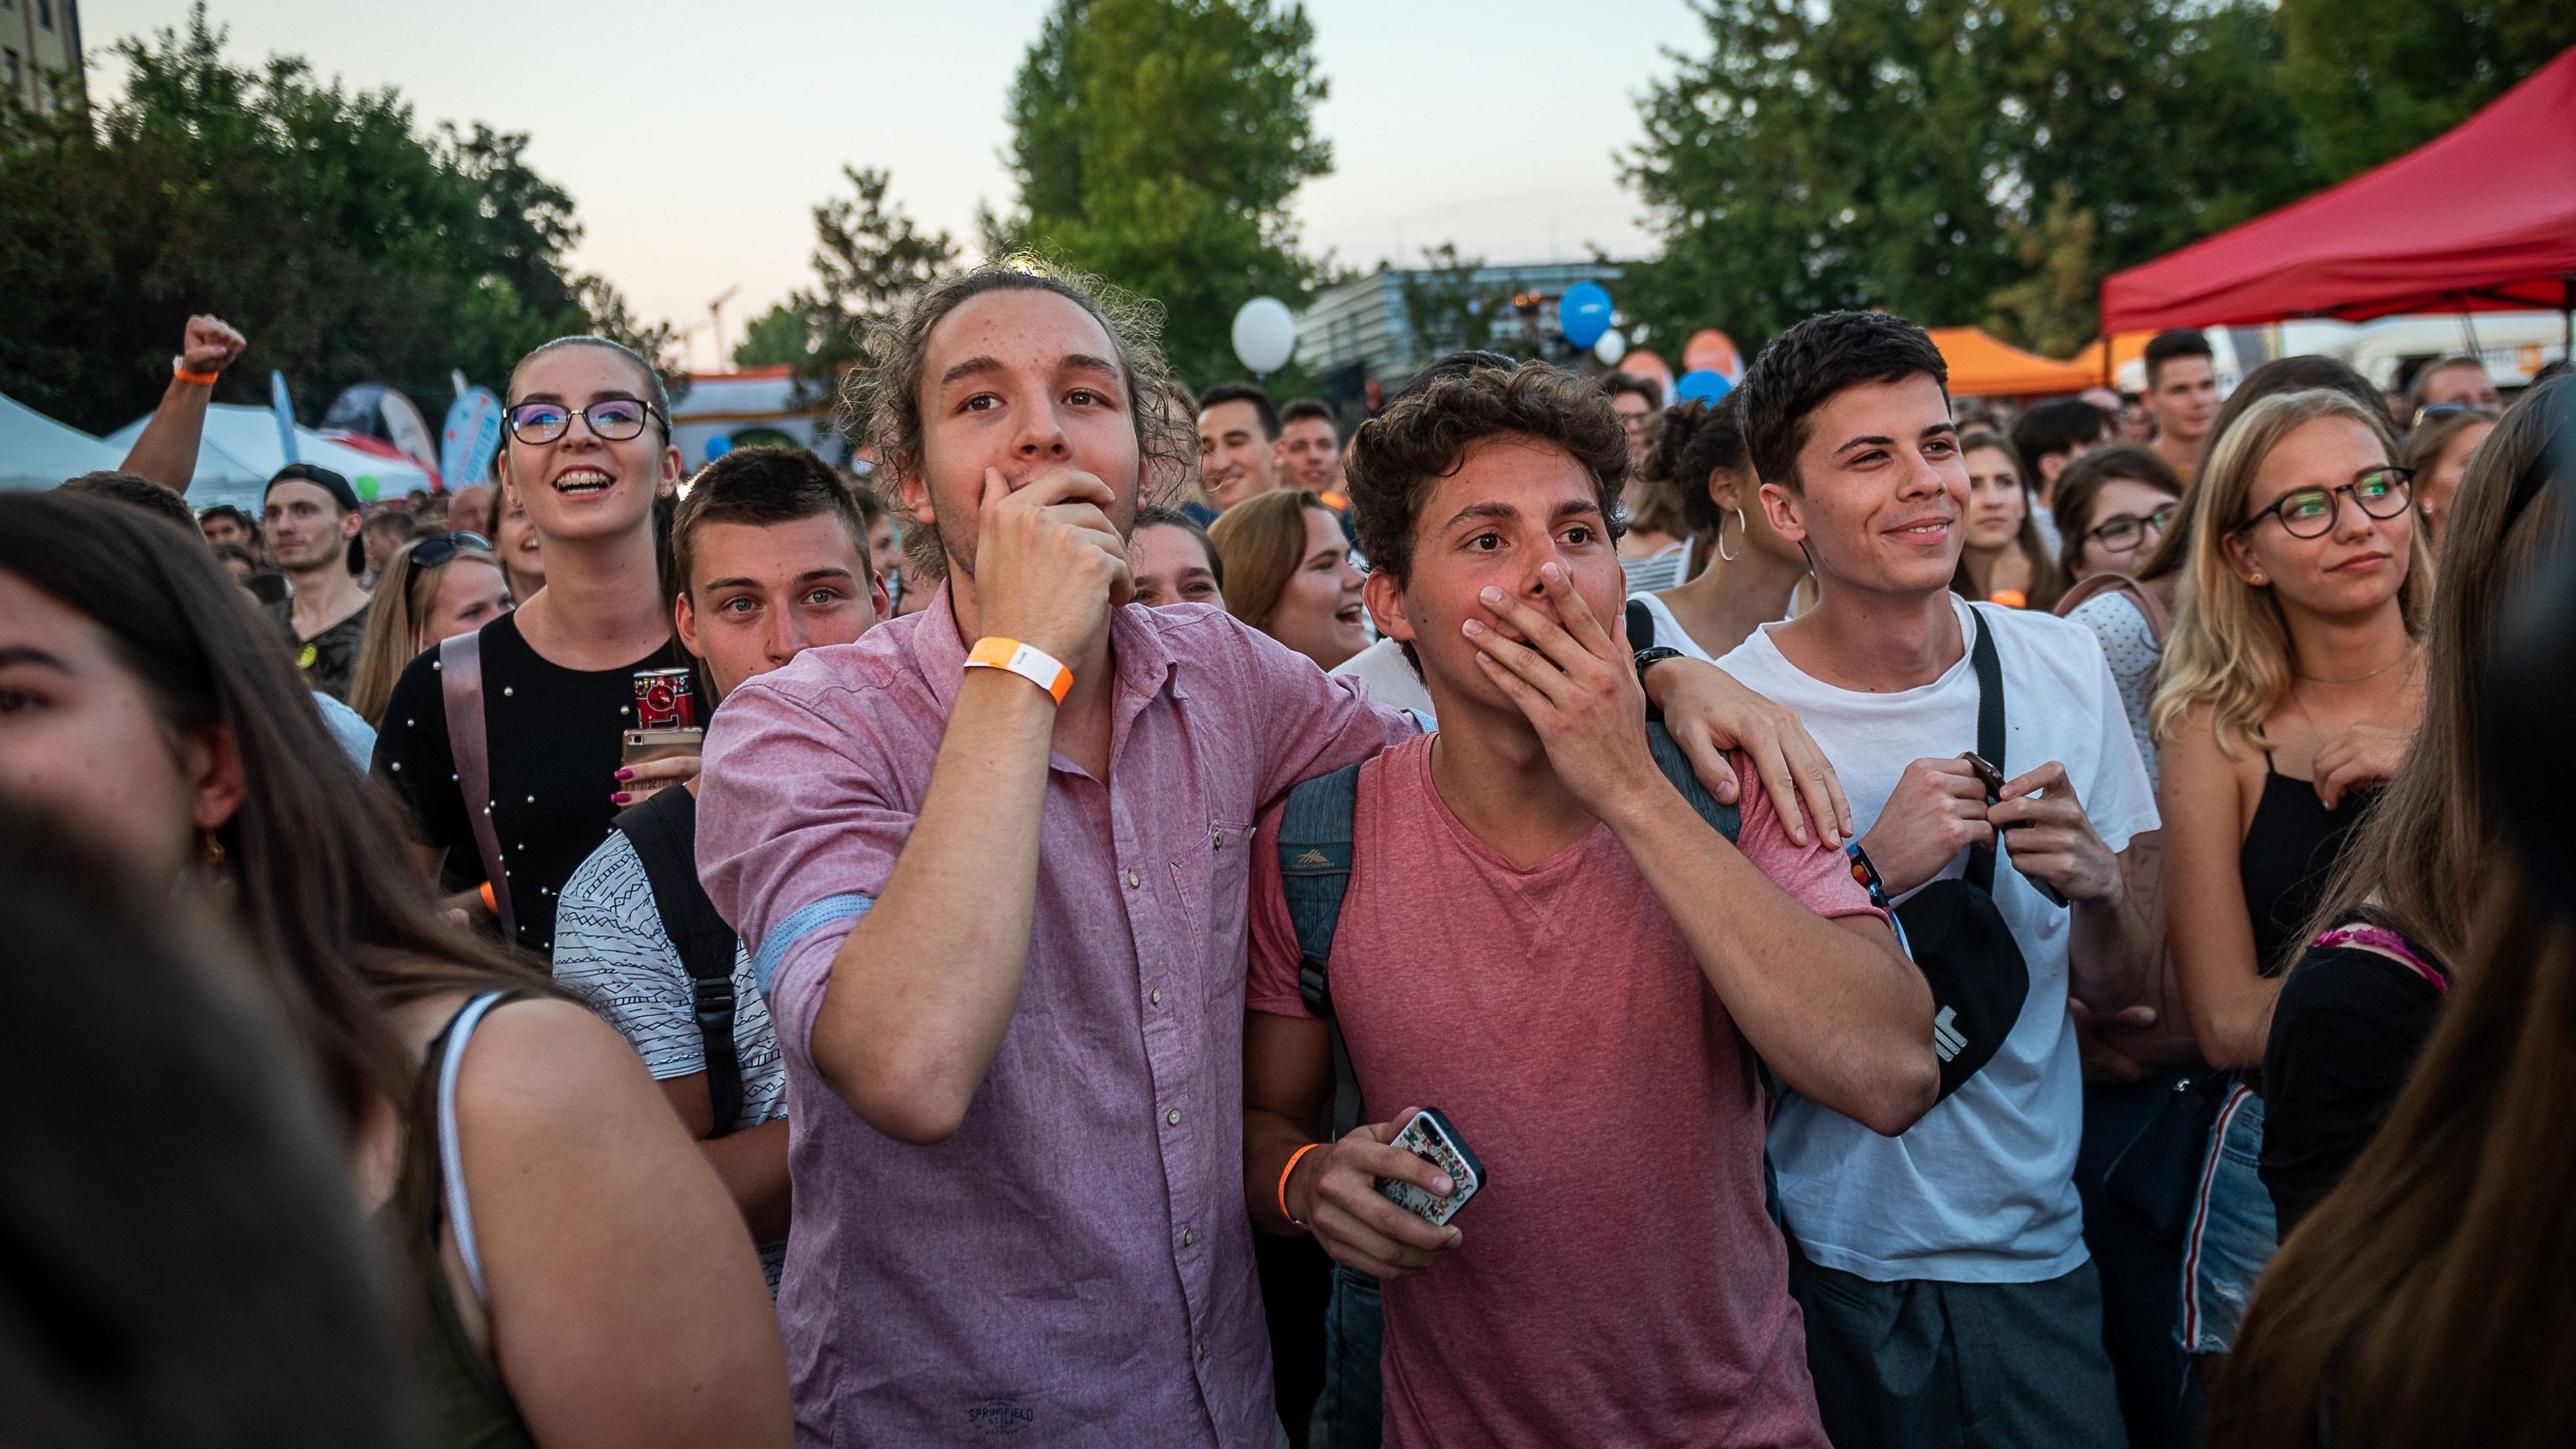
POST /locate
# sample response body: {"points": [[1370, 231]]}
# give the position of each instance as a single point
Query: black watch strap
{"points": [[1647, 657]]}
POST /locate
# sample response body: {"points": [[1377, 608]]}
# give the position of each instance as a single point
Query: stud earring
{"points": [[214, 851]]}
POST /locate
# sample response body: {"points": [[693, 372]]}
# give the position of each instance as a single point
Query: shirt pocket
{"points": [[1216, 878]]}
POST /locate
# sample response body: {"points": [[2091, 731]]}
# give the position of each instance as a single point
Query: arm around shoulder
{"points": [[626, 1303]]}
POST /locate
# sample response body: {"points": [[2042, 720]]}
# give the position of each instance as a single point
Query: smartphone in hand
{"points": [[1436, 1140], [1993, 780]]}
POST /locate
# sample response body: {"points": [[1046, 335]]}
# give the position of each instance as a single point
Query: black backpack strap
{"points": [[664, 832], [1641, 626], [1726, 819], [1990, 730], [1315, 874]]}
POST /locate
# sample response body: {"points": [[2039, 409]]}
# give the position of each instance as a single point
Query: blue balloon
{"points": [[1583, 313], [1702, 384], [718, 446]]}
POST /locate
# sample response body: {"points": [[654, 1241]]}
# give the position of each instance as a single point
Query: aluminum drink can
{"points": [[666, 699]]}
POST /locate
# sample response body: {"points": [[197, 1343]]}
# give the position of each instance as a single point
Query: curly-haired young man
{"points": [[1541, 935]]}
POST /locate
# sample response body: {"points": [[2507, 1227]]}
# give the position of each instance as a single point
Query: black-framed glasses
{"points": [[2311, 512], [2124, 532], [438, 548], [611, 419]]}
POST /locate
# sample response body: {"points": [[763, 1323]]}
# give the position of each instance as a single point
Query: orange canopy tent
{"points": [[1982, 366], [2126, 348]]}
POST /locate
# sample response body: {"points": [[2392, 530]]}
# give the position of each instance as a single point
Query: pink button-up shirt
{"points": [[1074, 1266]]}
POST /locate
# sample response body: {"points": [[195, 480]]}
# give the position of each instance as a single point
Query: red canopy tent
{"points": [[2482, 218]]}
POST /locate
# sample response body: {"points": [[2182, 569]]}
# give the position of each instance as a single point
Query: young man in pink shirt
{"points": [[1542, 938]]}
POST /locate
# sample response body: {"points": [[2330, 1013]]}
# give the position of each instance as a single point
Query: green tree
{"points": [[350, 244], [1156, 143], [1905, 153], [2373, 79], [868, 256], [1449, 309], [777, 336]]}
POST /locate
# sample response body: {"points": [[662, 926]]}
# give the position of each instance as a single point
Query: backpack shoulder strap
{"points": [[664, 832], [469, 745], [1641, 625], [1990, 728], [1315, 873], [1726, 819], [2150, 608]]}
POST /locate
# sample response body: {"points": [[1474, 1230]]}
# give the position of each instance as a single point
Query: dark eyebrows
{"points": [[971, 367], [809, 576], [14, 654], [1481, 512]]}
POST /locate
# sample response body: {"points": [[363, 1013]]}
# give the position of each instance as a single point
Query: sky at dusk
{"points": [[695, 138]]}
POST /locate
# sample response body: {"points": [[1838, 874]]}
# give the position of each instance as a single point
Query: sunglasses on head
{"points": [[438, 548]]}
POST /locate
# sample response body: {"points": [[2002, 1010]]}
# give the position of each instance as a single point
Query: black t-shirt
{"points": [[2345, 1035], [556, 741], [329, 658]]}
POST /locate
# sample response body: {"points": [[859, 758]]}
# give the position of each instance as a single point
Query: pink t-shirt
{"points": [[1619, 1281]]}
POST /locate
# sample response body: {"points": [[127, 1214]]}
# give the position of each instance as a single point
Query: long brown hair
{"points": [[2230, 647], [405, 594], [1262, 541], [2423, 859], [337, 915]]}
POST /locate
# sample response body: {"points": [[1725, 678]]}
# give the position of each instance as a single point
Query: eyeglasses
{"points": [[2124, 533], [2424, 415], [438, 548], [611, 419], [2311, 512]]}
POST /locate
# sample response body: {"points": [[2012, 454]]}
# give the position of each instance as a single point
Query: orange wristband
{"points": [[1283, 1181], [180, 371], [1036, 666], [490, 902]]}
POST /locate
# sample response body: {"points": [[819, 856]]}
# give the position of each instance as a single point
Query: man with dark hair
{"points": [[770, 555], [226, 524], [1310, 449], [1238, 443], [2182, 395], [1635, 400], [385, 531], [1487, 499], [2451, 382], [311, 515], [2046, 438], [136, 490], [1960, 1239]]}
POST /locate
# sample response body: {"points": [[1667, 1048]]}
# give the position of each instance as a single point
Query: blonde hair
{"points": [[1262, 540], [401, 604], [2230, 648]]}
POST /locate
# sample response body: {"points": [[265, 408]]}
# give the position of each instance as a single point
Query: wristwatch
{"points": [[1654, 656]]}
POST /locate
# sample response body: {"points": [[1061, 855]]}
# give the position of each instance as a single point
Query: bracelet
{"points": [[490, 902], [1034, 665], [179, 370], [1293, 1158], [1866, 873]]}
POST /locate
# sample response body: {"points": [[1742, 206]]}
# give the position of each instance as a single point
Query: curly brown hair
{"points": [[881, 403], [1397, 457]]}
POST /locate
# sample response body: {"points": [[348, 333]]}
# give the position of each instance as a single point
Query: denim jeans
{"points": [[1351, 1411], [2233, 1231]]}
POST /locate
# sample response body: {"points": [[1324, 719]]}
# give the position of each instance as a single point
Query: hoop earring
{"points": [[1741, 526]]}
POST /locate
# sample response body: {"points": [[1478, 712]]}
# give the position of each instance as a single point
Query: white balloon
{"points": [[1264, 335], [1610, 348]]}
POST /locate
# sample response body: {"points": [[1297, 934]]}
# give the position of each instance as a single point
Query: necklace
{"points": [[2402, 656]]}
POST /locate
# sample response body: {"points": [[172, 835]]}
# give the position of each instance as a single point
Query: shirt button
{"points": [[1189, 1237], [1172, 1117], [1220, 840], [1134, 880], [1155, 996], [1203, 1350]]}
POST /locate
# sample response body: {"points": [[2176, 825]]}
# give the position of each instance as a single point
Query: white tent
{"points": [[240, 452], [37, 452]]}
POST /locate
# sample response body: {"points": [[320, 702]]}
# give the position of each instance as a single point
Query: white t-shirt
{"points": [[1390, 677], [1662, 569], [612, 951], [1669, 633], [1980, 1190]]}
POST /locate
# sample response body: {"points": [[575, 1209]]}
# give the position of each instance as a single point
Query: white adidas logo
{"points": [[1946, 1041]]}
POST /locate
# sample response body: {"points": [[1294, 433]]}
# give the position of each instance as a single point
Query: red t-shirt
{"points": [[1618, 1281]]}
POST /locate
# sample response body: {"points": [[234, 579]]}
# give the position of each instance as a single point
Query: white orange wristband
{"points": [[1034, 665]]}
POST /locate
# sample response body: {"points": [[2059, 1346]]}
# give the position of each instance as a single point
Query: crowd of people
{"points": [[1547, 918]]}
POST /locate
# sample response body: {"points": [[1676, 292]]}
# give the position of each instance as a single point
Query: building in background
{"points": [[1364, 330], [749, 408], [40, 53]]}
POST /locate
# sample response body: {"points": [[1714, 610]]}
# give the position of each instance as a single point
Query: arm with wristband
{"points": [[166, 450], [925, 984]]}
